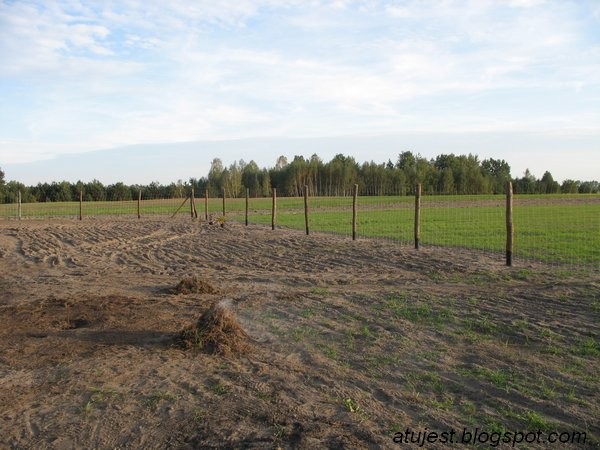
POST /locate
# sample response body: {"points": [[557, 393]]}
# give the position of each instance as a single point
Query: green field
{"points": [[552, 228]]}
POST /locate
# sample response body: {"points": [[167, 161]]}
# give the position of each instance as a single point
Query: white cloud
{"points": [[133, 71]]}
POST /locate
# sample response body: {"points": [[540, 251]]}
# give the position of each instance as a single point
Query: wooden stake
{"points": [[181, 206], [19, 205], [247, 194], [510, 232], [139, 205], [80, 205], [354, 198], [223, 202], [306, 208], [274, 210], [417, 215], [192, 203], [206, 204]]}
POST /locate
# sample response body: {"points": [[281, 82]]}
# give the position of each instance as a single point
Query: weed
{"points": [[329, 351], [219, 389], [444, 404], [531, 419], [522, 275], [152, 401], [588, 347], [279, 431], [322, 291], [300, 333], [498, 378], [198, 415], [495, 427], [351, 405], [100, 396], [307, 313]]}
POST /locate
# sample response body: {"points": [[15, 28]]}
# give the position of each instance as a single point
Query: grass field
{"points": [[551, 228]]}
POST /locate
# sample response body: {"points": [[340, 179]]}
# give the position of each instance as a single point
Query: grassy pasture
{"points": [[552, 228]]}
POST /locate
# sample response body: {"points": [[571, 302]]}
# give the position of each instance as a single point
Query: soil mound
{"points": [[217, 332], [194, 285]]}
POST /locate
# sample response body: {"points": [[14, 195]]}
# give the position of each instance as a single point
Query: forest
{"points": [[445, 174]]}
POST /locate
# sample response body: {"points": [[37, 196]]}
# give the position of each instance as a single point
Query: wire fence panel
{"points": [[464, 221], [558, 229], [562, 229]]}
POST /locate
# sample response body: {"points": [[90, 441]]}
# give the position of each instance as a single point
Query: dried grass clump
{"points": [[194, 285], [217, 332]]}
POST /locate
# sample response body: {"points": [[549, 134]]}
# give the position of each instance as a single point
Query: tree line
{"points": [[445, 174]]}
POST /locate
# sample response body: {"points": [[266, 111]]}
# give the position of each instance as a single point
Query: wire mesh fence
{"points": [[561, 230]]}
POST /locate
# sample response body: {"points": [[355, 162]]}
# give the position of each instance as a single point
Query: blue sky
{"points": [[518, 80]]}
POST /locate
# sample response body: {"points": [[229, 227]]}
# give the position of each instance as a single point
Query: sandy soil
{"points": [[350, 342]]}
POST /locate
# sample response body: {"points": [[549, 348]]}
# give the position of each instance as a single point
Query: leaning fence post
{"points": [[417, 215], [306, 208], [510, 232], [80, 205], [274, 210], [247, 194], [19, 205], [354, 197]]}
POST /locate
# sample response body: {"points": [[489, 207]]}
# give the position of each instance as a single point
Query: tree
{"points": [[250, 178], [569, 187], [527, 184], [118, 192], [499, 172], [1, 186], [215, 177], [548, 185], [589, 187]]}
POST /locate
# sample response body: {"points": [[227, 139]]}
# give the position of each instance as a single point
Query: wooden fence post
{"points": [[139, 204], [192, 203], [19, 205], [80, 205], [274, 210], [306, 208], [417, 215], [510, 232], [223, 202], [354, 198], [206, 204], [247, 194]]}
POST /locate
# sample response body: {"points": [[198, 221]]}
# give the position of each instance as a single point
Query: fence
{"points": [[562, 230]]}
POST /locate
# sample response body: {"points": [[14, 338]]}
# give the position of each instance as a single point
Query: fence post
{"points": [[417, 215], [306, 208], [192, 203], [139, 204], [509, 223], [354, 198], [223, 202], [80, 205], [19, 205], [247, 194], [274, 210], [206, 204]]}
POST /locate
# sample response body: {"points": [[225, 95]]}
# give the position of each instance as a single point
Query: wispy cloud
{"points": [[81, 76]]}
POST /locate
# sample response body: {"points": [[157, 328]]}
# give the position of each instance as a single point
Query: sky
{"points": [[89, 88]]}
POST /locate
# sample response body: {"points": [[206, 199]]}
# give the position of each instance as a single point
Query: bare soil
{"points": [[348, 342]]}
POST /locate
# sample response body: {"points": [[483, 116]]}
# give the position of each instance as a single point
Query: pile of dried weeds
{"points": [[194, 285], [217, 332]]}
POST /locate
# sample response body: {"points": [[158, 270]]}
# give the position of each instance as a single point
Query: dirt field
{"points": [[348, 342]]}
